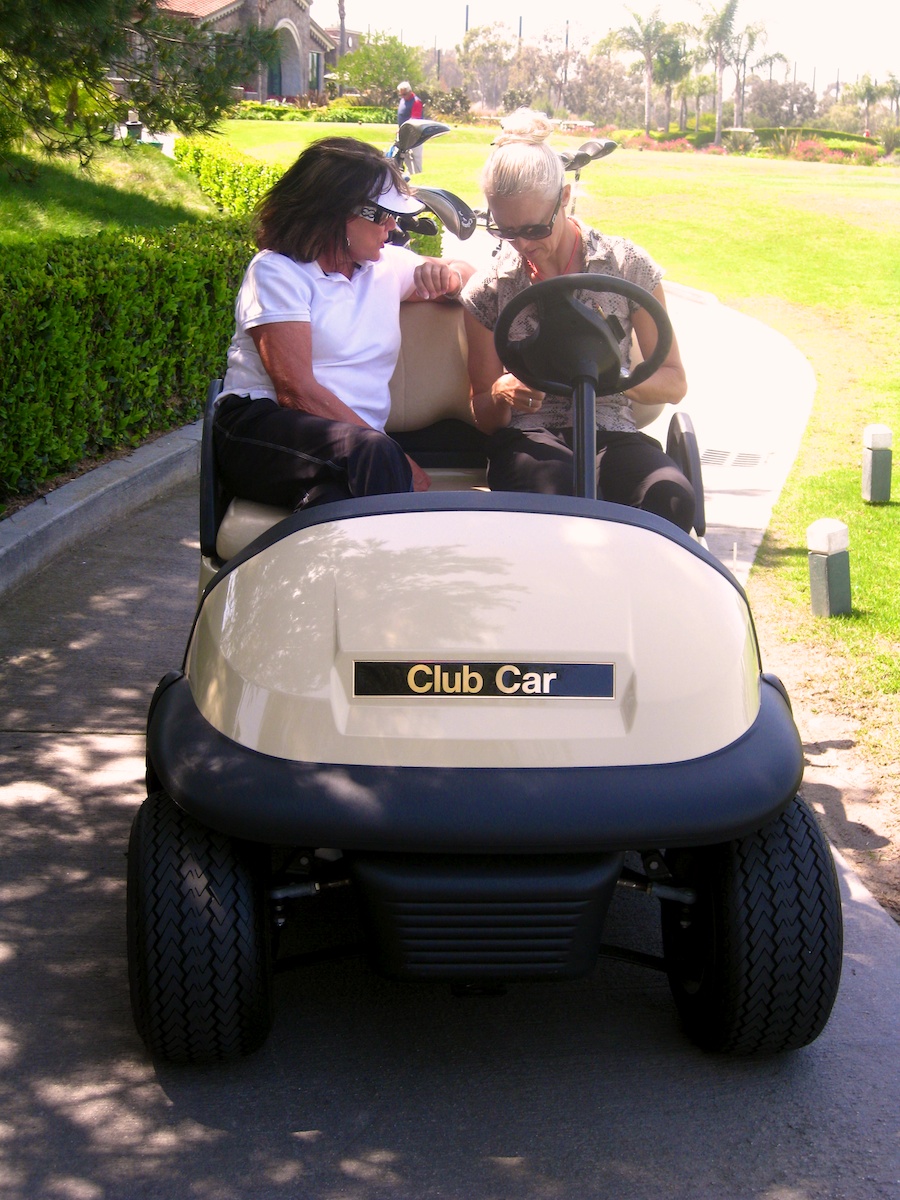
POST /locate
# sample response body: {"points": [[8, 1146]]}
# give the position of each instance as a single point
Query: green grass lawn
{"points": [[811, 249], [132, 188], [814, 251]]}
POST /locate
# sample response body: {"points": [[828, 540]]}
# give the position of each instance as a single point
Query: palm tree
{"points": [[740, 50], [893, 94], [769, 60], [672, 65], [695, 87], [645, 38], [717, 31], [867, 92], [342, 48]]}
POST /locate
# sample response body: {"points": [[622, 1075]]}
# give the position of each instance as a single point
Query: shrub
{"points": [[812, 150], [866, 156], [255, 110], [784, 142], [355, 114], [768, 134], [232, 180], [449, 106], [741, 141], [640, 141], [890, 138], [637, 141], [106, 339]]}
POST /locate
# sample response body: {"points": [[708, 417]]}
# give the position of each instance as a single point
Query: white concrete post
{"points": [[877, 462], [828, 542]]}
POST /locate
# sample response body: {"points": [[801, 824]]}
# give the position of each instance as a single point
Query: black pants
{"points": [[632, 469], [280, 456]]}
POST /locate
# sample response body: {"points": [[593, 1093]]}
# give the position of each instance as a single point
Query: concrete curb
{"points": [[32, 536]]}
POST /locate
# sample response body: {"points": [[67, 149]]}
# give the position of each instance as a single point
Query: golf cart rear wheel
{"points": [[198, 955], [682, 448], [754, 965]]}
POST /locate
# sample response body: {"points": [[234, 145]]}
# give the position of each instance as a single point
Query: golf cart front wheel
{"points": [[198, 955], [754, 964]]}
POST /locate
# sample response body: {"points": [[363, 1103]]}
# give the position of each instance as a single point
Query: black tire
{"points": [[198, 950], [682, 448], [754, 965]]}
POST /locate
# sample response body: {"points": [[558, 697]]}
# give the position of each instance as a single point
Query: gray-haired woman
{"points": [[530, 448]]}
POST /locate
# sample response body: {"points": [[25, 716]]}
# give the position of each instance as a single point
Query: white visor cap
{"points": [[395, 201]]}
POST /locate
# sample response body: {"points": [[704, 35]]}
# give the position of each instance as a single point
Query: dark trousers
{"points": [[280, 456], [632, 469]]}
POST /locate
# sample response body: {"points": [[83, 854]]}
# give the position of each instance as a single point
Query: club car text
{"points": [[581, 680]]}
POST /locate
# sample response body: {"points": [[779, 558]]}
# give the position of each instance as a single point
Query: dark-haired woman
{"points": [[305, 396]]}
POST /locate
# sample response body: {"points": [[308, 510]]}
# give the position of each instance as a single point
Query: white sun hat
{"points": [[396, 202]]}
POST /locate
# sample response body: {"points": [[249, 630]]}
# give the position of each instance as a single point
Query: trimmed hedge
{"points": [[769, 134], [232, 180], [259, 110], [356, 114], [236, 182], [346, 109], [104, 340], [674, 140]]}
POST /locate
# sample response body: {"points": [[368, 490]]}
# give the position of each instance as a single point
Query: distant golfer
{"points": [[410, 106]]}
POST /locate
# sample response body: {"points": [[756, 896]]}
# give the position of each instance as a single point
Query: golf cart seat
{"points": [[430, 417]]}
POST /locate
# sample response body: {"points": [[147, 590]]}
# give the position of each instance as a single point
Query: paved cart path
{"points": [[366, 1089]]}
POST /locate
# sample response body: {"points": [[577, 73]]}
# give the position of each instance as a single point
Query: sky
{"points": [[815, 37]]}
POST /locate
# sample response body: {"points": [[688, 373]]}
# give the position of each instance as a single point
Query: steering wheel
{"points": [[573, 342]]}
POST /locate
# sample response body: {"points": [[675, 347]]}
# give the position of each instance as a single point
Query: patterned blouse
{"points": [[488, 293]]}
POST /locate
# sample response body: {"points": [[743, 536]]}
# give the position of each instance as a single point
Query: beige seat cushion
{"points": [[430, 383], [431, 380]]}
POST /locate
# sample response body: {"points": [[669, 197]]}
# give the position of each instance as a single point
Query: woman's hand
{"points": [[421, 479], [435, 278], [519, 396]]}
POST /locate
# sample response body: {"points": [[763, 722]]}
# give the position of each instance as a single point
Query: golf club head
{"points": [[578, 160], [455, 214], [420, 225], [575, 160], [414, 132], [594, 149]]}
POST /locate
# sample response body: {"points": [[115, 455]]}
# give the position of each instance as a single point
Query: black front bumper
{"points": [[466, 810]]}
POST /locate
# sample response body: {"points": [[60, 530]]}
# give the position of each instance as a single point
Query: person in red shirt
{"points": [[410, 107]]}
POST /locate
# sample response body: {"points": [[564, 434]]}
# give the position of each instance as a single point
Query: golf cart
{"points": [[462, 720]]}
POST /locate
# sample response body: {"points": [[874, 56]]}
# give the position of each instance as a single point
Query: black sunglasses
{"points": [[528, 233], [375, 213]]}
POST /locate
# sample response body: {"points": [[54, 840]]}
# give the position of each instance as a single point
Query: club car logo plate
{"points": [[570, 680]]}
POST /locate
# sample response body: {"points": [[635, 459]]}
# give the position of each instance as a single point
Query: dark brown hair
{"points": [[304, 215]]}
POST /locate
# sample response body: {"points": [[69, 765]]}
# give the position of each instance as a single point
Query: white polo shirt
{"points": [[355, 325]]}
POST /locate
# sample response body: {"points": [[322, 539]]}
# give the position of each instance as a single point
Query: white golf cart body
{"points": [[471, 706]]}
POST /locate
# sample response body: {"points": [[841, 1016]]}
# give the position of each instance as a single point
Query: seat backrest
{"points": [[430, 384], [431, 380]]}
